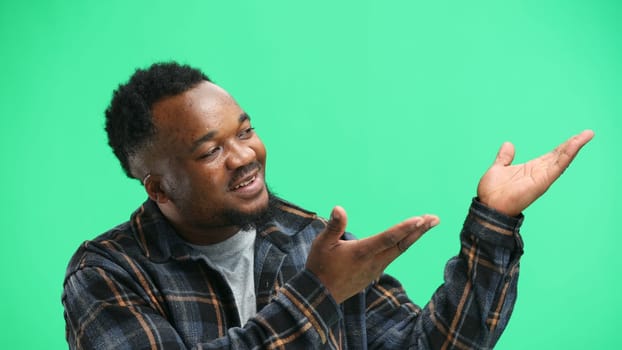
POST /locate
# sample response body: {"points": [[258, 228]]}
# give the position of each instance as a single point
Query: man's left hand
{"points": [[510, 189]]}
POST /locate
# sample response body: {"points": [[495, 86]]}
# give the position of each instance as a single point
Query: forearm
{"points": [[103, 311], [472, 307], [476, 301]]}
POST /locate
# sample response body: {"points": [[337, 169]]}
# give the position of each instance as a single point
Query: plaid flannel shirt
{"points": [[140, 286]]}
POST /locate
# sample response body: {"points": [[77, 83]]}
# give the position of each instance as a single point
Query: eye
{"points": [[211, 154], [246, 133]]}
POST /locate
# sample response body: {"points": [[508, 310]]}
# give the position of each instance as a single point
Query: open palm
{"points": [[510, 189]]}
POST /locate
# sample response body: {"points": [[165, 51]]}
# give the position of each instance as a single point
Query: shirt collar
{"points": [[159, 241]]}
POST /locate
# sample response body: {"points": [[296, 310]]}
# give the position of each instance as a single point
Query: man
{"points": [[213, 260]]}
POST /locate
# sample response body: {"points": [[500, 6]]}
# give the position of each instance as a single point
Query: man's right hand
{"points": [[347, 267]]}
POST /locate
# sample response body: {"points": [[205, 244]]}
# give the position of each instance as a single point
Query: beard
{"points": [[248, 220]]}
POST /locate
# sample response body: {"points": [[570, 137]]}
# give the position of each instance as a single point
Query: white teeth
{"points": [[244, 183]]}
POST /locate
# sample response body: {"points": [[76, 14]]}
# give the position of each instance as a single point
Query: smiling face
{"points": [[206, 165]]}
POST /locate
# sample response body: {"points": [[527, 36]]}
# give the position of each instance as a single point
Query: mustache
{"points": [[243, 171]]}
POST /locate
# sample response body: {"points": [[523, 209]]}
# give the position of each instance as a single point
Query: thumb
{"points": [[336, 224], [505, 156]]}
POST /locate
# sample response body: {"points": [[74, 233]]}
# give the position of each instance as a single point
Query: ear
{"points": [[153, 186]]}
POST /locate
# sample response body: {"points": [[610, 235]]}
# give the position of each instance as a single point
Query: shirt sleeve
{"points": [[104, 309], [472, 307]]}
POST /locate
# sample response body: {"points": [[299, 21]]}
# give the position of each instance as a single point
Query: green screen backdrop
{"points": [[388, 108]]}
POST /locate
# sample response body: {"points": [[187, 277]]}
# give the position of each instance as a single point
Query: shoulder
{"points": [[287, 210], [104, 250], [293, 220], [290, 219]]}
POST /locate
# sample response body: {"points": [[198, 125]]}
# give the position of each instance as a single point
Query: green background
{"points": [[388, 108]]}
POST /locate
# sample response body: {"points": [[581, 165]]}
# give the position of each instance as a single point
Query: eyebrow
{"points": [[210, 134]]}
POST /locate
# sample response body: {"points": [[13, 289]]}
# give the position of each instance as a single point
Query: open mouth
{"points": [[244, 183], [248, 180]]}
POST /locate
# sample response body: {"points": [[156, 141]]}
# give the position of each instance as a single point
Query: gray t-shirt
{"points": [[234, 258]]}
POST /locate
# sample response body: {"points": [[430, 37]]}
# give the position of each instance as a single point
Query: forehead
{"points": [[181, 119]]}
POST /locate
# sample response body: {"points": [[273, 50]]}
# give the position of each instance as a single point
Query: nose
{"points": [[239, 155]]}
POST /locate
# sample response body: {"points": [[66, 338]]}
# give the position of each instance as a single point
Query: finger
{"points": [[567, 151], [505, 156], [387, 256], [336, 225], [430, 221], [388, 239]]}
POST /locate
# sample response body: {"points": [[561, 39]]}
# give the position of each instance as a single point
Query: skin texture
{"points": [[507, 188], [204, 147], [510, 189], [347, 267]]}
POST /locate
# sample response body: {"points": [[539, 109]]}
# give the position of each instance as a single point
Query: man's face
{"points": [[210, 162]]}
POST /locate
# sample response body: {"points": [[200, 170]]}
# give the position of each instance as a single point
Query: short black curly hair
{"points": [[129, 122]]}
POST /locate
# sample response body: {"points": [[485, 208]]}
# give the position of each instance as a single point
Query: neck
{"points": [[220, 227], [196, 233], [205, 236]]}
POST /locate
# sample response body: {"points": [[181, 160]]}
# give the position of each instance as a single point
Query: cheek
{"points": [[260, 151], [210, 178], [177, 188]]}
